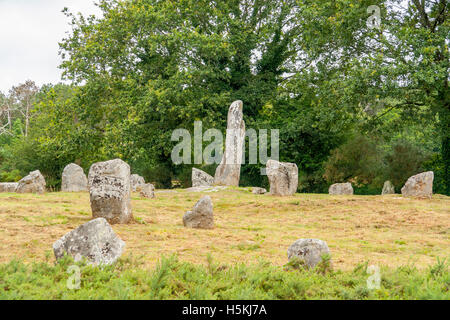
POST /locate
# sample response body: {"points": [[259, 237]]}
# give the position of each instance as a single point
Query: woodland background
{"points": [[352, 103]]}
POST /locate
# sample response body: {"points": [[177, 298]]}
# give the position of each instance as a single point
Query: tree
{"points": [[314, 69], [150, 67], [5, 115], [400, 68], [22, 98]]}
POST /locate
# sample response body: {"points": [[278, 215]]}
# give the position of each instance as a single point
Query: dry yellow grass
{"points": [[388, 230]]}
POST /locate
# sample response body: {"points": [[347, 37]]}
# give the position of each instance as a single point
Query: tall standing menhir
{"points": [[229, 170]]}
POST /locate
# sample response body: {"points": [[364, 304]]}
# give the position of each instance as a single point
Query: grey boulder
{"points": [[201, 215], [32, 183], [147, 190], [136, 182], [340, 188], [283, 177], [201, 178], [109, 189], [420, 185], [73, 179], [309, 251], [8, 186], [388, 188], [257, 190], [95, 240]]}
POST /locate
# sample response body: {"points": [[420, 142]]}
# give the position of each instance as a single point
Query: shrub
{"points": [[173, 279], [359, 160]]}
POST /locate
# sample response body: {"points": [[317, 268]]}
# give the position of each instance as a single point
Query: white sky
{"points": [[29, 34]]}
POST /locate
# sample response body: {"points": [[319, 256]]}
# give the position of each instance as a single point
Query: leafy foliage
{"points": [[173, 279], [315, 70]]}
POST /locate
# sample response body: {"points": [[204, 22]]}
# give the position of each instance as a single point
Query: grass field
{"points": [[383, 230], [243, 257]]}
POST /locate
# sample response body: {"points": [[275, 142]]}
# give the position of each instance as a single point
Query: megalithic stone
{"points": [[420, 185], [229, 170], [73, 179], [110, 191]]}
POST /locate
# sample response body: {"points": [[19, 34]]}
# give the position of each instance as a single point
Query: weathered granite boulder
{"points": [[73, 179], [309, 251], [229, 170], [32, 183], [256, 190], [201, 178], [95, 240], [420, 185], [388, 188], [283, 177], [109, 189], [147, 190], [341, 188], [136, 182], [8, 186], [201, 215]]}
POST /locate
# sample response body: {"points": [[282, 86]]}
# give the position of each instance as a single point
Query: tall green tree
{"points": [[152, 66], [315, 69]]}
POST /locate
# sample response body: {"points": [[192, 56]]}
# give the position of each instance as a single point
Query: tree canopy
{"points": [[315, 70]]}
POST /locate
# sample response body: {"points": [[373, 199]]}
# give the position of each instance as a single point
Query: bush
{"points": [[402, 162], [359, 160], [173, 279], [11, 176]]}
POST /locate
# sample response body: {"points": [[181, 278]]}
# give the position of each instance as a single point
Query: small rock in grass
{"points": [[309, 251], [201, 215], [95, 240]]}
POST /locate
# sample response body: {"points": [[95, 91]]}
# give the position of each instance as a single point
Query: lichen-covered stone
{"points": [[388, 188], [201, 215], [136, 182], [8, 186], [147, 190], [201, 178], [110, 191], [341, 188], [420, 185], [257, 190], [229, 170], [73, 179], [309, 251], [283, 177], [32, 183], [95, 240]]}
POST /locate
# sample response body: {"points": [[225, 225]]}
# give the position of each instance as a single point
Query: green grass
{"points": [[174, 279]]}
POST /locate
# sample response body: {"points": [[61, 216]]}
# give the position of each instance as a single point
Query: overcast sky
{"points": [[29, 34]]}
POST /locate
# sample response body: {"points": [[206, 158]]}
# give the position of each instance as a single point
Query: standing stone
{"points": [[283, 177], [309, 251], [109, 189], [136, 182], [341, 188], [229, 170], [73, 179], [147, 190], [201, 215], [388, 188], [95, 240], [32, 183], [201, 178], [8, 186], [256, 190], [420, 185]]}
